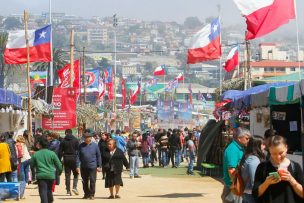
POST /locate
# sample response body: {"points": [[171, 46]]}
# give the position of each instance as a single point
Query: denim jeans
{"points": [[145, 157], [134, 166], [24, 171], [191, 162], [164, 156], [45, 190], [177, 157], [15, 176]]}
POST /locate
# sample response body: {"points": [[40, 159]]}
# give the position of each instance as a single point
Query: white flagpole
{"points": [[220, 66], [300, 78], [51, 40]]}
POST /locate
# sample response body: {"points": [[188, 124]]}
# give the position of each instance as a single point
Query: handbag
{"points": [[237, 186]]}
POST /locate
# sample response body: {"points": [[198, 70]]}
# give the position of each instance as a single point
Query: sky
{"points": [[150, 10], [147, 10]]}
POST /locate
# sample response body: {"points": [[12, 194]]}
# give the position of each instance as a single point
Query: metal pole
{"points": [[29, 116], [51, 44], [248, 71], [72, 77], [115, 65], [83, 77], [300, 78]]}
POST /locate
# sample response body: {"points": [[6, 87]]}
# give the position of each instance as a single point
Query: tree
{"points": [[12, 23], [60, 59], [192, 23], [5, 69], [104, 63]]}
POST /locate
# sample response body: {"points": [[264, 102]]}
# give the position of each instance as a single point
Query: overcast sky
{"points": [[163, 10], [149, 10]]}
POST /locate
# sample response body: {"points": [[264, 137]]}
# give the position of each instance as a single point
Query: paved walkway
{"points": [[146, 189]]}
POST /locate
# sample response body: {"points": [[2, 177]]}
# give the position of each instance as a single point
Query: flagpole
{"points": [[300, 78], [140, 93], [83, 77], [221, 77], [51, 44], [72, 58], [29, 116], [165, 86]]}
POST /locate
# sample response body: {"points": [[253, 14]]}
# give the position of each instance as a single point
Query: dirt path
{"points": [[146, 189]]}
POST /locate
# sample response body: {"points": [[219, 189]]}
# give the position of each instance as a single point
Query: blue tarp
{"points": [[241, 99], [10, 98]]}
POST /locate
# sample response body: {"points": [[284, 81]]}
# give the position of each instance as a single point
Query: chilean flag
{"points": [[160, 71], [39, 43], [232, 59], [133, 95], [124, 94], [205, 45], [265, 16], [180, 77], [101, 88]]}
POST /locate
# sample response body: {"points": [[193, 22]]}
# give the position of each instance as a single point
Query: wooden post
{"points": [[72, 76], [29, 116], [248, 70]]}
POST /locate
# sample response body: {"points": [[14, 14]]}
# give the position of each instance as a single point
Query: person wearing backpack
{"points": [[232, 156], [278, 180], [252, 158]]}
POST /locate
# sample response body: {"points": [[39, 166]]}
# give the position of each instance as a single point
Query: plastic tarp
{"points": [[242, 99], [10, 98], [207, 139]]}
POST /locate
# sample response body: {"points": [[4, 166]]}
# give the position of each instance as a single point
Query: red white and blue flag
{"points": [[101, 88], [232, 59], [133, 95], [205, 45], [265, 16], [39, 43], [160, 71], [180, 77]]}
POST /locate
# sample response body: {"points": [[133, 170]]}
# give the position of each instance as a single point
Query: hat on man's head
{"points": [[88, 135], [117, 132]]}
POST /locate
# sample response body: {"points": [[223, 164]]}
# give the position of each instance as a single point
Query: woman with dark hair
{"points": [[252, 158], [278, 180], [46, 162], [114, 159], [102, 144]]}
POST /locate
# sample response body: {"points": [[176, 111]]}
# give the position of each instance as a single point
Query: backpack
{"points": [[19, 150], [237, 187]]}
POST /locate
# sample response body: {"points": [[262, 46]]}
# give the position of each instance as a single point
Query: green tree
{"points": [[12, 23], [104, 62], [5, 69], [192, 23]]}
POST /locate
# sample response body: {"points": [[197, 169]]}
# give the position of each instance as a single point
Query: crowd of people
{"points": [[261, 164], [41, 159]]}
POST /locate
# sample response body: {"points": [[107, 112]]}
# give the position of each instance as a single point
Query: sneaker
{"points": [[137, 176], [85, 197], [92, 198], [69, 193], [111, 197], [131, 177], [75, 191]]}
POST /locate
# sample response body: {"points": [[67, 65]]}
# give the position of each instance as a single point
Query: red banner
{"points": [[124, 95], [64, 101], [65, 75]]}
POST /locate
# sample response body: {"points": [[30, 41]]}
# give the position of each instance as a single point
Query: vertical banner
{"points": [[184, 112], [165, 110], [64, 101], [124, 94]]}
